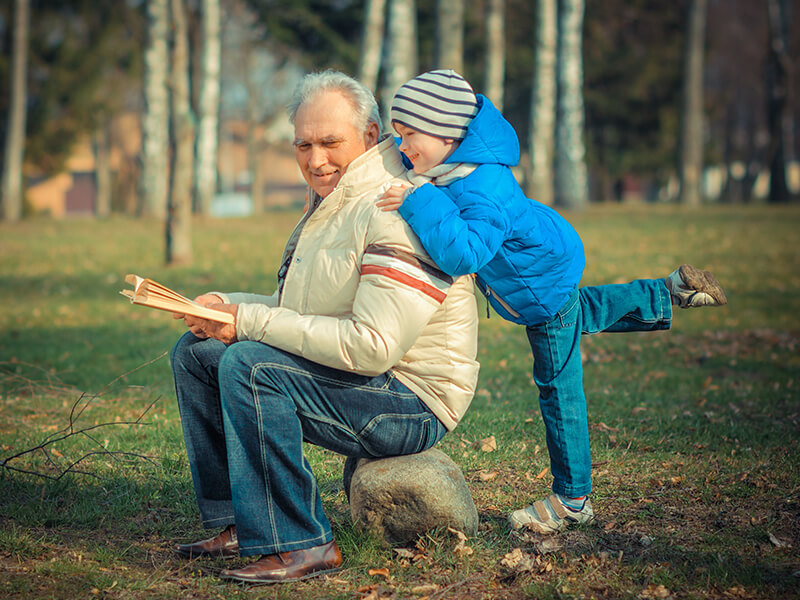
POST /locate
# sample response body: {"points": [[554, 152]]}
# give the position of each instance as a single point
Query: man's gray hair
{"points": [[365, 108]]}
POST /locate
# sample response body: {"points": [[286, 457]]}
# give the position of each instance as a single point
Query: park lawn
{"points": [[694, 431]]}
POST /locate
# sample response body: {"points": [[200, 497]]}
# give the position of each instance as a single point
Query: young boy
{"points": [[472, 217]]}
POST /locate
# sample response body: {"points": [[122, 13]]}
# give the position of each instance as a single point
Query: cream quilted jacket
{"points": [[361, 295]]}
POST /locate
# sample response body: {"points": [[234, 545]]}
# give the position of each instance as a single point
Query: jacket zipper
{"points": [[500, 301]]}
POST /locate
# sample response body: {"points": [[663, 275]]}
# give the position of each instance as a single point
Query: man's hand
{"points": [[392, 199], [203, 328]]}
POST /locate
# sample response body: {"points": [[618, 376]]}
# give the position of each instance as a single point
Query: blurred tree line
{"points": [[629, 93]]}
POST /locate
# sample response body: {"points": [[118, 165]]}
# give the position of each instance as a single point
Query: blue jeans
{"points": [[246, 410], [642, 305]]}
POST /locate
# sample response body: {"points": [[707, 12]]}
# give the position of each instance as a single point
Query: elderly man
{"points": [[366, 348]]}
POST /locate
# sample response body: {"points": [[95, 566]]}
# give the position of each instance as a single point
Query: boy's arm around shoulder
{"points": [[463, 226]]}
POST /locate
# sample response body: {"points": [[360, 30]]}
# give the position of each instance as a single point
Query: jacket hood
{"points": [[490, 139]]}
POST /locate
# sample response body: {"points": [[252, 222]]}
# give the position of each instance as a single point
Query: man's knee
{"points": [[243, 356], [180, 351]]}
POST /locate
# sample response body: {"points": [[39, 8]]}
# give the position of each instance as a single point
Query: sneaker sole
{"points": [[703, 281]]}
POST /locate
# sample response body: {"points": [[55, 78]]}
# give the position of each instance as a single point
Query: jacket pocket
{"points": [[398, 434]]}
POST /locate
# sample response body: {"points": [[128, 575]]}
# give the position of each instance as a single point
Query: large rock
{"points": [[402, 497]]}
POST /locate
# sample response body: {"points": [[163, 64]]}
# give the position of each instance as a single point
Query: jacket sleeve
{"points": [[396, 295], [461, 237], [247, 297]]}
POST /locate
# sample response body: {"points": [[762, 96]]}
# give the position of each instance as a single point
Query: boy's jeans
{"points": [[642, 305], [245, 411]]}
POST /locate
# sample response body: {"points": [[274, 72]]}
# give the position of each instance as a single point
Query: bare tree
{"points": [[571, 179], [401, 57], [372, 43], [155, 123], [543, 104], [15, 136], [450, 35], [101, 144], [778, 114], [495, 52], [690, 167], [207, 138], [179, 215]]}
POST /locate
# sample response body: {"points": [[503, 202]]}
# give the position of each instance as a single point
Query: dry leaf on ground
{"points": [[461, 548], [654, 592], [488, 444], [518, 561], [384, 572]]}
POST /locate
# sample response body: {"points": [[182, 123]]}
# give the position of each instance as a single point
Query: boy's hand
{"points": [[392, 199]]}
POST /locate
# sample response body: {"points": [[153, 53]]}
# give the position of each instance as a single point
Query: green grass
{"points": [[695, 431]]}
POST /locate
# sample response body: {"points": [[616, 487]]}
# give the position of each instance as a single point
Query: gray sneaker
{"points": [[550, 516], [690, 287]]}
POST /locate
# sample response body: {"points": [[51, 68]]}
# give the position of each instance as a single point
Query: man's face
{"points": [[326, 141]]}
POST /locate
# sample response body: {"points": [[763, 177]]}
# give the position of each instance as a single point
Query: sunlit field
{"points": [[695, 431]]}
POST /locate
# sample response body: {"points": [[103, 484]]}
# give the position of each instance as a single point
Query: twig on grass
{"points": [[78, 408]]}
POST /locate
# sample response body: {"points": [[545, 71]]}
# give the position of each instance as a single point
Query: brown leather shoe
{"points": [[223, 545], [289, 566]]}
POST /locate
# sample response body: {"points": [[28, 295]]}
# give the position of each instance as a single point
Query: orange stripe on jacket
{"points": [[423, 287]]}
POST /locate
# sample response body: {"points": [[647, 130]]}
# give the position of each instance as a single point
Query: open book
{"points": [[150, 293]]}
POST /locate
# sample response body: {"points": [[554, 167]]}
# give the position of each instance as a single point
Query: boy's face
{"points": [[423, 150]]}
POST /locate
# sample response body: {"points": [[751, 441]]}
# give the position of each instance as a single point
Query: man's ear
{"points": [[371, 135]]}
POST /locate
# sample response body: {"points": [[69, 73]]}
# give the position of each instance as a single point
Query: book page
{"points": [[147, 292]]}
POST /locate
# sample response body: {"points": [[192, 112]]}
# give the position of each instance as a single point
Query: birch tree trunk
{"points": [[571, 179], [402, 53], [543, 104], [450, 35], [14, 154], [495, 52], [155, 123], [372, 44], [179, 217], [206, 151], [690, 167], [102, 169]]}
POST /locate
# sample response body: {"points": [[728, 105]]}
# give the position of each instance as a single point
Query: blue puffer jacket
{"points": [[526, 257]]}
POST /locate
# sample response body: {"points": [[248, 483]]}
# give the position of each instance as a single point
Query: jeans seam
{"points": [[357, 435], [261, 446], [338, 382]]}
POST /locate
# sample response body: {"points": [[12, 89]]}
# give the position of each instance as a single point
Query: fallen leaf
{"points": [[549, 545], [404, 553], [384, 572], [487, 475], [603, 427], [542, 473], [424, 589], [654, 591], [488, 444], [518, 561], [461, 548], [637, 409], [778, 543]]}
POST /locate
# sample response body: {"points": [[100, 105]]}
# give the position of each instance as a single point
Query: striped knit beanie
{"points": [[440, 103]]}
